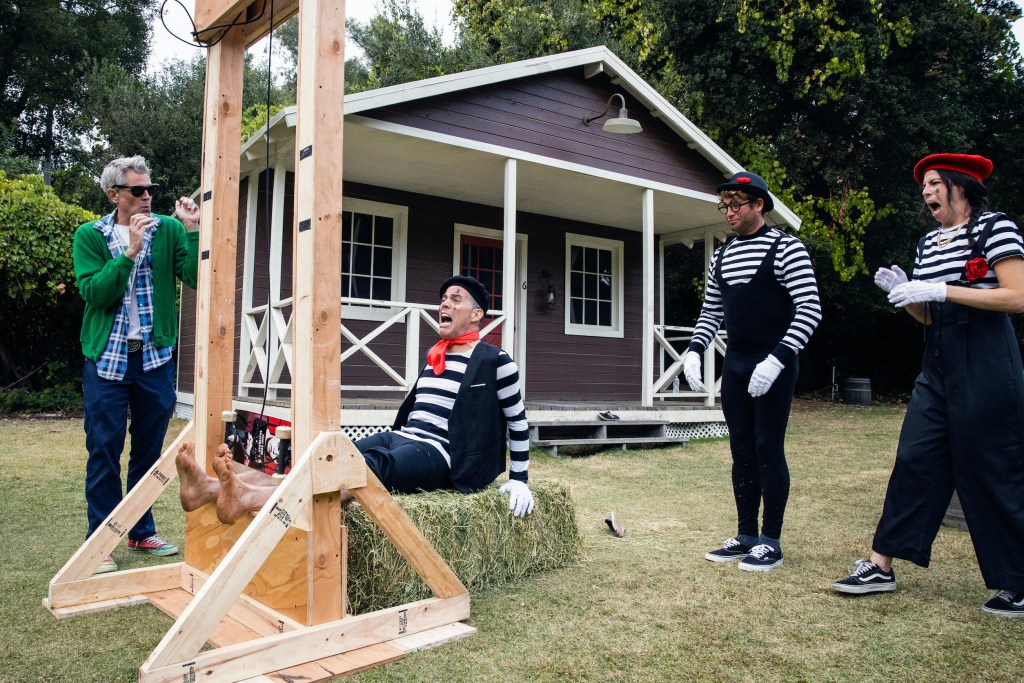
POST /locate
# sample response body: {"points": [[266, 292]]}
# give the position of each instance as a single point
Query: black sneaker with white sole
{"points": [[762, 558], [731, 550], [1006, 604], [866, 577]]}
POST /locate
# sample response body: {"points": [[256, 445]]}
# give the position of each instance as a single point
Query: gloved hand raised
{"points": [[520, 498], [917, 292], [887, 278], [691, 370], [765, 373]]}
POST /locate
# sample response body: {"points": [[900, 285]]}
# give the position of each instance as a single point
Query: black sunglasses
{"points": [[138, 190]]}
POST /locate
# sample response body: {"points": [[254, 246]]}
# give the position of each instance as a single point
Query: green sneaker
{"points": [[154, 545], [106, 566]]}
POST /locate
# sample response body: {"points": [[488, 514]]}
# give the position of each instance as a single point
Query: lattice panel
{"points": [[356, 433], [697, 430]]}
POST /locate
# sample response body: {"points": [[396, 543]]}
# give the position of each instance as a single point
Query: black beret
{"points": [[750, 183], [471, 285]]}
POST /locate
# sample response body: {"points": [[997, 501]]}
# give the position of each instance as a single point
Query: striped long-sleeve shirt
{"points": [[435, 398], [945, 263], [740, 259]]}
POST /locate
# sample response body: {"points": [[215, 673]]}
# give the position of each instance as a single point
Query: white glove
{"points": [[691, 370], [520, 499], [887, 279], [917, 292], [765, 373]]}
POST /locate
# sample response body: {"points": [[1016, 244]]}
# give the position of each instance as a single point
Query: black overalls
{"points": [[964, 429], [757, 315]]}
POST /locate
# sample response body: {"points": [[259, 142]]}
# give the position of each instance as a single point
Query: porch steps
{"points": [[551, 434]]}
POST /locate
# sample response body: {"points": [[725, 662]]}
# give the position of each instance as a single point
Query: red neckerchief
{"points": [[435, 357]]}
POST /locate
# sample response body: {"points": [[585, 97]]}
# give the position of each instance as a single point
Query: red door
{"points": [[481, 258]]}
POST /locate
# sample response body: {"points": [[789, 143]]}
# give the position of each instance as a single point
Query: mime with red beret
{"points": [[964, 427]]}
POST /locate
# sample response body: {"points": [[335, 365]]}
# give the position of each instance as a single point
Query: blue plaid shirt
{"points": [[113, 363]]}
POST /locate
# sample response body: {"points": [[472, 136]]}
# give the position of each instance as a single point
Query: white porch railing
{"points": [[268, 349], [669, 339]]}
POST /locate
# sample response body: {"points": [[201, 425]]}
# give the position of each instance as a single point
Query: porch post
{"points": [[709, 353], [509, 279], [647, 357]]}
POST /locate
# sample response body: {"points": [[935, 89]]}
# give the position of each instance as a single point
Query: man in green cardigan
{"points": [[127, 265]]}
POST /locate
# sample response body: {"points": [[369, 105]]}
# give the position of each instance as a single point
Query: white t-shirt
{"points": [[134, 326]]}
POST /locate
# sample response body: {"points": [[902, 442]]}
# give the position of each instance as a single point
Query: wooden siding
{"points": [[544, 115]]}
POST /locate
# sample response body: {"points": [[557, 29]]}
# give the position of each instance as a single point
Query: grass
{"points": [[646, 607]]}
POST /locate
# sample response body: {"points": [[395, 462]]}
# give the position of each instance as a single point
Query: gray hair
{"points": [[113, 173]]}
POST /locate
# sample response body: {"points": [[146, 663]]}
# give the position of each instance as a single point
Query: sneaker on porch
{"points": [[1006, 604], [154, 545]]}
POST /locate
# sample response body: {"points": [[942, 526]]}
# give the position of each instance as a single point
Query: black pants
{"points": [[405, 465], [964, 429], [757, 432]]}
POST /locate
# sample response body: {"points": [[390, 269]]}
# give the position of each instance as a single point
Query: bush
{"points": [[63, 398]]}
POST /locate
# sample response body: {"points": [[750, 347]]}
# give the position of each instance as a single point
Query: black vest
{"points": [[477, 429]]}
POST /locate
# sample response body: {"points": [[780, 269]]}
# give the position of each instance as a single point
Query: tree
{"points": [[49, 47]]}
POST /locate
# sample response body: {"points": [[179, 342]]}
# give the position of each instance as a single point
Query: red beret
{"points": [[978, 167]]}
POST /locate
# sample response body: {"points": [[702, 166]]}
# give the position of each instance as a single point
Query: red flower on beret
{"points": [[743, 180], [978, 167]]}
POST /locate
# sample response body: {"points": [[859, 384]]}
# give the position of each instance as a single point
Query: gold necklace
{"points": [[943, 241]]}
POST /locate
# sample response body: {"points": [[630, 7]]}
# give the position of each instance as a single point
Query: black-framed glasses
{"points": [[139, 190], [733, 206]]}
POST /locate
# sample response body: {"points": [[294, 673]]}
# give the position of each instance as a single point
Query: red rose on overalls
{"points": [[976, 269]]}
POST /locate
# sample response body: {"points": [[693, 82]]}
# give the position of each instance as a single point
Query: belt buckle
{"points": [[134, 345]]}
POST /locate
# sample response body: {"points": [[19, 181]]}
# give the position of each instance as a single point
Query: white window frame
{"points": [[399, 215], [618, 249]]}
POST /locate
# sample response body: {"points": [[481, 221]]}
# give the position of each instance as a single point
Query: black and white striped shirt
{"points": [[435, 398], [742, 258], [946, 263]]}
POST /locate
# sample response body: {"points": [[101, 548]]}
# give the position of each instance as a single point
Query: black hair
{"points": [[975, 193]]}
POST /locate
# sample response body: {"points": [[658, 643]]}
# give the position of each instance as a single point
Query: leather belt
{"points": [[134, 345]]}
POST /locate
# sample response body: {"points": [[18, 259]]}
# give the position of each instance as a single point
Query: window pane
{"points": [[362, 257], [381, 289], [605, 261], [344, 285], [382, 262], [346, 226], [605, 312], [346, 257], [576, 283], [590, 262], [590, 289], [468, 257], [576, 258], [361, 287], [486, 258], [383, 231], [576, 312], [604, 291], [589, 312], [362, 228]]}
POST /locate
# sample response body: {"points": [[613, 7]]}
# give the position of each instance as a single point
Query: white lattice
{"points": [[697, 430], [359, 432]]}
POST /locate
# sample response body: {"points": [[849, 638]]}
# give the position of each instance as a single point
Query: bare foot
{"points": [[236, 498], [196, 489]]}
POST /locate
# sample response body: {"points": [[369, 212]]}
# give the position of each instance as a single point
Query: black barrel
{"points": [[857, 391]]}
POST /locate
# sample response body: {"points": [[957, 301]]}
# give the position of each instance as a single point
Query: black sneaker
{"points": [[1006, 604], [866, 577], [762, 558], [731, 550]]}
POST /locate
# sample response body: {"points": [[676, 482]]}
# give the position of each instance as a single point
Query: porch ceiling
{"points": [[418, 164]]}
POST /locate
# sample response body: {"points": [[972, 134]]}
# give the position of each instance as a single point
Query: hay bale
{"points": [[476, 535]]}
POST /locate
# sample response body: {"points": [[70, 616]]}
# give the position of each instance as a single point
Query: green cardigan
{"points": [[102, 281]]}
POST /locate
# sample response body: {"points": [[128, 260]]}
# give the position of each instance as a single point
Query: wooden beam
{"points": [[131, 508], [121, 584], [215, 296], [213, 18], [316, 318]]}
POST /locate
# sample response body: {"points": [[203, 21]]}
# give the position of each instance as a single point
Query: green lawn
{"points": [[646, 607]]}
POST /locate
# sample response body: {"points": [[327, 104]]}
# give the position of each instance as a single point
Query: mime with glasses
{"points": [[761, 286], [127, 265]]}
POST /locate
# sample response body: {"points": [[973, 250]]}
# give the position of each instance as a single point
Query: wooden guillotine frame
{"points": [[268, 592]]}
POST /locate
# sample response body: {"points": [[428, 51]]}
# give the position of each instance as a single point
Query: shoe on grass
{"points": [[731, 550], [1006, 604], [154, 545], [615, 524], [866, 577], [106, 566], [762, 558]]}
